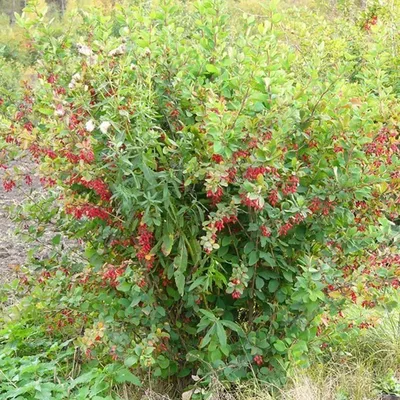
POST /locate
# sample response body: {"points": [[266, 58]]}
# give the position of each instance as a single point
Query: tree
{"points": [[11, 7]]}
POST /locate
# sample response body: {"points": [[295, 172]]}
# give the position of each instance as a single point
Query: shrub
{"points": [[10, 81], [228, 205]]}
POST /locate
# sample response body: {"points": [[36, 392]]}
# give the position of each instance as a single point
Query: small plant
{"points": [[389, 384]]}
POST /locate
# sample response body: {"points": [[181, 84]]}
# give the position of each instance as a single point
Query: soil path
{"points": [[12, 249]]}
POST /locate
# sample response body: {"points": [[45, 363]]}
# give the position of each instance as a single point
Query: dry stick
{"points": [[234, 244], [323, 95], [252, 292], [8, 379], [242, 104], [320, 99], [246, 96], [126, 391], [75, 362]]}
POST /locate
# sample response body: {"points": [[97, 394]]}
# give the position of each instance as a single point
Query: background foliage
{"points": [[232, 184]]}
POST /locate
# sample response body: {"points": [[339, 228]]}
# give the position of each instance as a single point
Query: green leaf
{"points": [[85, 378], [221, 334], [248, 248], [280, 346], [206, 339], [172, 293], [180, 281], [124, 287], [215, 355], [299, 347], [180, 261], [212, 68], [226, 240], [123, 375], [199, 281], [166, 247], [148, 173], [268, 258], [267, 274], [163, 362], [96, 260], [287, 275], [184, 372], [56, 239], [253, 257], [273, 285], [218, 147], [259, 283], [208, 314], [131, 361], [46, 111], [232, 326]]}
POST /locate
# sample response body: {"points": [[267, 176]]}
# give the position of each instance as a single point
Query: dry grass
{"points": [[321, 383], [334, 381], [352, 385]]}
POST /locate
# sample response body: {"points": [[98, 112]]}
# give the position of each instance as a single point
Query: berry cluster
{"points": [[85, 155], [319, 206], [8, 185], [253, 201], [145, 242], [265, 231], [291, 186], [258, 360], [295, 220], [47, 182], [217, 222], [215, 195], [252, 173], [370, 22], [111, 274], [273, 198], [238, 282], [98, 185], [89, 211]]}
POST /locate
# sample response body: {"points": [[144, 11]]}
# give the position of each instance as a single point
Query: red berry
{"points": [[265, 231], [236, 294], [8, 185], [217, 158], [258, 360]]}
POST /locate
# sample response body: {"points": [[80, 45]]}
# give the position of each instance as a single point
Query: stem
{"points": [[253, 282]]}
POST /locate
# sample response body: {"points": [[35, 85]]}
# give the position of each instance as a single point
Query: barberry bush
{"points": [[231, 192]]}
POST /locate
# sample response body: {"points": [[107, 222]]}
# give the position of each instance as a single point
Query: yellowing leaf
{"points": [[335, 294]]}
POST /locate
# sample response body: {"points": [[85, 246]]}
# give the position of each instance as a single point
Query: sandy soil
{"points": [[12, 249]]}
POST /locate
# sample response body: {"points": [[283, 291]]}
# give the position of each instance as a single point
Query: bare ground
{"points": [[12, 249]]}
